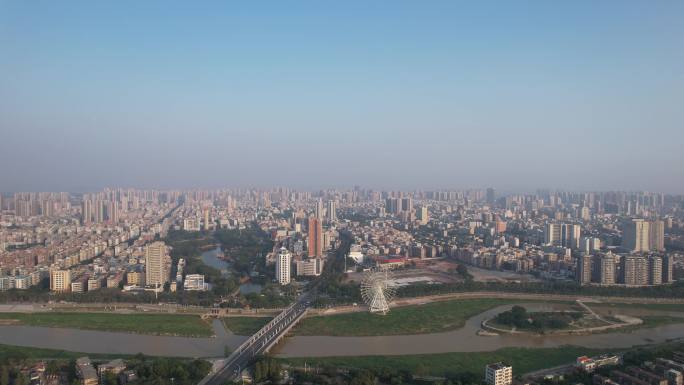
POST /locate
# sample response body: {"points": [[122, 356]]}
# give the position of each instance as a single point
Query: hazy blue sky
{"points": [[514, 94]]}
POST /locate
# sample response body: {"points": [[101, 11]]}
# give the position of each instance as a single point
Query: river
{"points": [[466, 339], [461, 340], [90, 341]]}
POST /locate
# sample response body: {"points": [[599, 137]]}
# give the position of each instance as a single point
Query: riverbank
{"points": [[23, 352], [523, 360], [139, 323], [244, 326], [413, 319], [119, 343], [467, 339], [461, 340]]}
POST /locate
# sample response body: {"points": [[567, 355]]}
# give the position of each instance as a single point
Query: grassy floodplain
{"points": [[245, 326], [523, 360], [156, 324], [416, 319]]}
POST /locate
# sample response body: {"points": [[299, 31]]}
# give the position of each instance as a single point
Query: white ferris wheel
{"points": [[377, 290]]}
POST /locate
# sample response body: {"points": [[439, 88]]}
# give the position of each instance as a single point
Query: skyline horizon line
{"points": [[506, 191]]}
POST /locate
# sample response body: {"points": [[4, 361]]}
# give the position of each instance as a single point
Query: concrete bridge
{"points": [[259, 343]]}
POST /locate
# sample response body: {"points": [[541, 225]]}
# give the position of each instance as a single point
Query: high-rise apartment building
{"points": [[113, 211], [583, 274], [282, 267], [500, 226], [635, 236], [332, 211], [86, 211], [422, 215], [655, 270], [634, 270], [590, 245], [407, 204], [606, 270], [668, 266], [393, 205], [319, 209], [156, 264], [315, 237], [562, 234], [207, 221], [585, 214], [498, 374], [490, 196], [656, 235], [60, 280], [47, 208]]}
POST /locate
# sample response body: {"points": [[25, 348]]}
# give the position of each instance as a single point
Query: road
{"points": [[259, 343], [276, 329]]}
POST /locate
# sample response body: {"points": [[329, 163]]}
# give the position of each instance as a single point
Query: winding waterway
{"points": [[466, 339], [90, 341], [461, 340]]}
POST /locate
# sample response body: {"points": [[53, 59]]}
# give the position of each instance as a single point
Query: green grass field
{"points": [[419, 319], [245, 326], [523, 360], [157, 324]]}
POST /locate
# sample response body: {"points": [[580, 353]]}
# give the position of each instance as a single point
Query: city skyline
{"points": [[369, 193], [577, 96], [499, 193]]}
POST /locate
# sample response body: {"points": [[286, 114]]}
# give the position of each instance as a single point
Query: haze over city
{"points": [[343, 193], [396, 95]]}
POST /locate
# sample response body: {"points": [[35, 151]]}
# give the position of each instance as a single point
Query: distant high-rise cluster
{"points": [[401, 207], [563, 234], [628, 270], [491, 196], [107, 239], [640, 235], [45, 204]]}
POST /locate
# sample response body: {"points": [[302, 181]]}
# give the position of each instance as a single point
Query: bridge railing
{"points": [[247, 343], [251, 340], [284, 332]]}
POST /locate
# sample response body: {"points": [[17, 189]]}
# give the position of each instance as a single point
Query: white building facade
{"points": [[283, 262]]}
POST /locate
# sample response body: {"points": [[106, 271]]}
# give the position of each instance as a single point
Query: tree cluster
{"points": [[520, 318]]}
